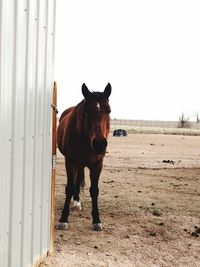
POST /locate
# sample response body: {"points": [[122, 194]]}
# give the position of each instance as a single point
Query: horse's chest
{"points": [[84, 156]]}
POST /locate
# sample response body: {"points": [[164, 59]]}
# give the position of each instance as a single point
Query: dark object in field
{"points": [[82, 139], [196, 232], [168, 161], [120, 132]]}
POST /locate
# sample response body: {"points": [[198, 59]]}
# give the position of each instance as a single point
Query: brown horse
{"points": [[82, 139]]}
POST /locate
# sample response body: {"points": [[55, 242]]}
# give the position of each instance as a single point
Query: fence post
{"points": [[53, 177]]}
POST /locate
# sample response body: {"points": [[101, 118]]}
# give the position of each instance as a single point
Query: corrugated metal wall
{"points": [[26, 81]]}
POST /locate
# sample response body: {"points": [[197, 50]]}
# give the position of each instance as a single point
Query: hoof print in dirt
{"points": [[156, 213], [152, 234], [97, 227], [62, 226]]}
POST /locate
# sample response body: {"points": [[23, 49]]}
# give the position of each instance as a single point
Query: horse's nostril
{"points": [[99, 146], [105, 143]]}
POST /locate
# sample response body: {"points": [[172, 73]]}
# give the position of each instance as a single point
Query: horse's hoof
{"points": [[77, 205], [62, 226], [97, 227]]}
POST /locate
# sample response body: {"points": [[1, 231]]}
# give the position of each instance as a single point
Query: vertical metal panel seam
{"points": [[25, 129], [35, 118], [54, 33], [44, 123], [52, 71], [50, 91], [1, 17], [2, 231], [5, 131], [12, 139]]}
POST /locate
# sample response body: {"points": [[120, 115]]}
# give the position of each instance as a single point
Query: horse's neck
{"points": [[77, 119]]}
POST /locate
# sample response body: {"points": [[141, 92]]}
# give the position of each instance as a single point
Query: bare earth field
{"points": [[150, 209]]}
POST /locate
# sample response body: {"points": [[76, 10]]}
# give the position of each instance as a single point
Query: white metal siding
{"points": [[27, 30]]}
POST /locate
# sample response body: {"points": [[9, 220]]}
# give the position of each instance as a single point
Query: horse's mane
{"points": [[79, 115]]}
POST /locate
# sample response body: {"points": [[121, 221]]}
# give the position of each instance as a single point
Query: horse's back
{"points": [[67, 111], [63, 121]]}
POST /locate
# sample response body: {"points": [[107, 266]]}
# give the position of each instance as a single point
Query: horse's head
{"points": [[97, 123]]}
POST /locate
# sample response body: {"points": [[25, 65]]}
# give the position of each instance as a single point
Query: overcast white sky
{"points": [[149, 50]]}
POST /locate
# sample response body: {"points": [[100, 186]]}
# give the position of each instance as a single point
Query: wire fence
{"points": [[165, 127]]}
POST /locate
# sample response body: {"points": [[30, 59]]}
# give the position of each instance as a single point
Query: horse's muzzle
{"points": [[99, 146]]}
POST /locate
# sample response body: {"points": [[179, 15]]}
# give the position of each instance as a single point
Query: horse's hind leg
{"points": [[71, 176], [78, 184]]}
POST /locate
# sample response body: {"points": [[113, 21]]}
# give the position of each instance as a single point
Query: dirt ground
{"points": [[150, 209]]}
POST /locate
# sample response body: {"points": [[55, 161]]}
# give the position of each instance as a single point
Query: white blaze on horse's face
{"points": [[98, 106]]}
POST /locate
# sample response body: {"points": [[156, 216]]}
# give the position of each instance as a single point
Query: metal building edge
{"points": [[27, 44]]}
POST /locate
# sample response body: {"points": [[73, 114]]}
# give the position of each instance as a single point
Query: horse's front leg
{"points": [[71, 170], [94, 192]]}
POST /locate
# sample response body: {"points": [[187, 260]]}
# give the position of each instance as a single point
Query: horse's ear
{"points": [[107, 90], [85, 91]]}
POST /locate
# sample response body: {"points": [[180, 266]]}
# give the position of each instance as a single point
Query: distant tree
{"points": [[197, 116], [184, 121]]}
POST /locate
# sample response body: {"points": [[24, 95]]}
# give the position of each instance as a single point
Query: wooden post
{"points": [[53, 178]]}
